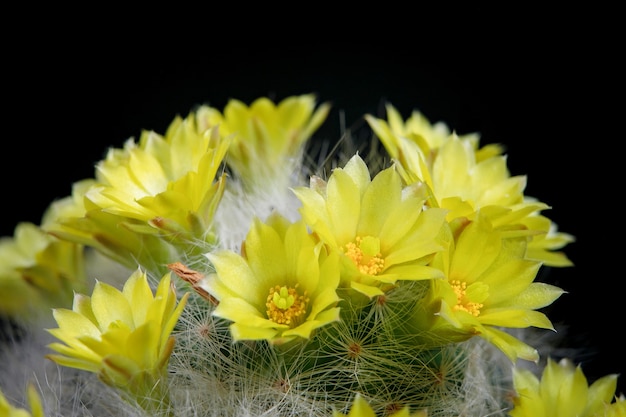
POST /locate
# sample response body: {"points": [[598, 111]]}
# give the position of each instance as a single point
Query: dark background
{"points": [[551, 101]]}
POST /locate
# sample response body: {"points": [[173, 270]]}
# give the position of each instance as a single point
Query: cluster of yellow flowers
{"points": [[386, 286]]}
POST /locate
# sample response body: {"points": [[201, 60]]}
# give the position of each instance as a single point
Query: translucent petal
{"points": [[515, 318], [234, 276], [536, 295], [241, 331], [344, 206], [379, 201], [305, 329], [509, 279], [512, 347], [314, 213], [398, 221], [324, 299], [143, 346], [356, 169], [110, 305], [137, 291], [72, 325], [240, 311], [75, 362], [265, 252]]}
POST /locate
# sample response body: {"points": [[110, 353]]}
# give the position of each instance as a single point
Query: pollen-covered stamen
{"points": [[285, 305], [462, 303], [365, 253]]}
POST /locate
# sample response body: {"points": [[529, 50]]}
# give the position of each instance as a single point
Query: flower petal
{"points": [[109, 305]]}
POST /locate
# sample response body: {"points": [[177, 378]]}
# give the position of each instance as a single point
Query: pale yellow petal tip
{"points": [[361, 408]]}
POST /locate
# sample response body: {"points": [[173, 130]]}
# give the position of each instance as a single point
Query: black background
{"points": [[552, 100]]}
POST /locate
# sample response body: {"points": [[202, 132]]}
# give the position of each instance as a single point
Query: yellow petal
{"points": [[512, 347], [109, 305], [515, 318], [244, 332], [137, 291], [537, 295], [344, 206], [602, 392], [72, 325], [379, 202], [265, 253], [234, 277]]}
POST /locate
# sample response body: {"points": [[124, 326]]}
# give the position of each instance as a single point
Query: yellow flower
{"points": [[563, 391], [282, 287], [75, 219], [122, 336], [489, 285], [167, 182], [149, 199], [418, 130], [37, 272], [267, 137], [378, 226], [34, 403], [360, 408], [464, 178]]}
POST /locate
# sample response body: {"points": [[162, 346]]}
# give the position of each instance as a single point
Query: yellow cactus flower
{"points": [[268, 138], [281, 288], [489, 285], [34, 403], [464, 178], [149, 198], [419, 130], [361, 408], [563, 391], [167, 182], [38, 272], [122, 336], [379, 227], [75, 219]]}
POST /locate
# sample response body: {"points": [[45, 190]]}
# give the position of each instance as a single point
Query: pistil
{"points": [[285, 305]]}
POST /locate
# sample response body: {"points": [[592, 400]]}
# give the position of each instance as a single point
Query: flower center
{"points": [[285, 305], [365, 253], [462, 303]]}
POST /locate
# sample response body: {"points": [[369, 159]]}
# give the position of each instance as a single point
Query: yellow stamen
{"points": [[365, 253], [462, 304], [285, 305]]}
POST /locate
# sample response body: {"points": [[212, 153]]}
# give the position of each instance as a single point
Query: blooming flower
{"points": [[162, 186], [464, 178], [282, 287], [165, 181], [378, 226], [37, 272], [563, 391], [361, 293], [484, 292], [268, 138], [360, 408], [122, 336], [34, 403], [75, 219]]}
